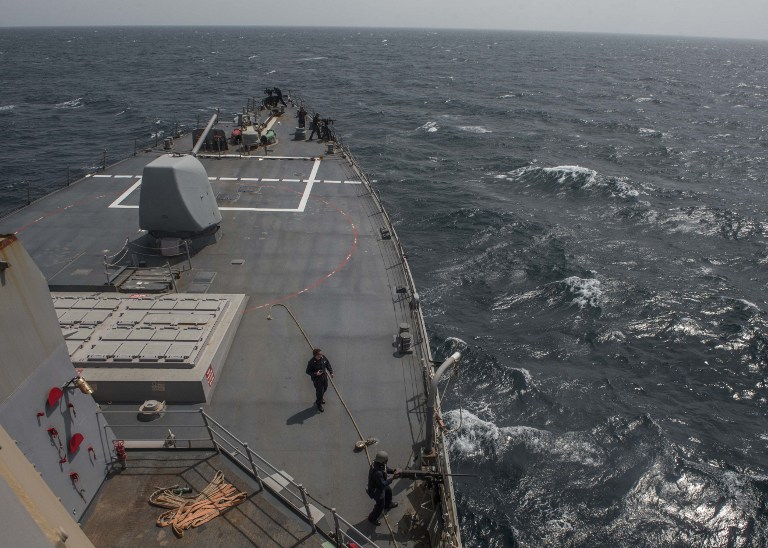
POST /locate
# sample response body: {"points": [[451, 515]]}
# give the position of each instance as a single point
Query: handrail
{"points": [[446, 494], [76, 175], [249, 461]]}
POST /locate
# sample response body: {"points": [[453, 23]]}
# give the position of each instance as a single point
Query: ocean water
{"points": [[585, 216]]}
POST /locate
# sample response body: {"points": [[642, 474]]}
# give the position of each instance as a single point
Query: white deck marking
{"points": [[259, 158], [352, 183], [308, 188], [118, 203], [333, 182]]}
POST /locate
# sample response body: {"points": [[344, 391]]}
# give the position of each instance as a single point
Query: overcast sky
{"points": [[720, 18]]}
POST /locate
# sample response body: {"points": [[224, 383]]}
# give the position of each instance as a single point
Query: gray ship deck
{"points": [[299, 228]]}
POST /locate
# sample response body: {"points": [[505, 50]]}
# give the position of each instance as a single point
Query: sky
{"points": [[715, 18]]}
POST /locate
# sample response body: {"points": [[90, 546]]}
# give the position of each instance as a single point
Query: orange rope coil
{"points": [[188, 512]]}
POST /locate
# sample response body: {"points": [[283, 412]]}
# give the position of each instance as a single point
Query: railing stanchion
{"points": [[253, 465], [210, 432], [306, 507], [336, 527]]}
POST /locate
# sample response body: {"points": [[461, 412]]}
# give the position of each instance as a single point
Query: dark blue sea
{"points": [[585, 216]]}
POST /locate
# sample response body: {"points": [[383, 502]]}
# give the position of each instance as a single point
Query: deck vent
{"points": [[385, 234], [151, 409]]}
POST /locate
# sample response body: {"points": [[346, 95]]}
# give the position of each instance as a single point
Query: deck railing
{"points": [[208, 433], [450, 535], [24, 194]]}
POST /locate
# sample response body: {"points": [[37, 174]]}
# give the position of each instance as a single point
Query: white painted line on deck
{"points": [[352, 182], [117, 203], [308, 188], [267, 209], [259, 158]]}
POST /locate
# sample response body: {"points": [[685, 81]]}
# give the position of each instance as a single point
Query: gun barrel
{"points": [[418, 474]]}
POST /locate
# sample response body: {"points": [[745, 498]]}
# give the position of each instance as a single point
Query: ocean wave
{"points": [[563, 485], [575, 291], [474, 129], [576, 178], [72, 103], [711, 221], [586, 292], [567, 174], [7, 108], [429, 127], [483, 441]]}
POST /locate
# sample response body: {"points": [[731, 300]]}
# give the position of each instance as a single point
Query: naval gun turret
{"points": [[177, 202]]}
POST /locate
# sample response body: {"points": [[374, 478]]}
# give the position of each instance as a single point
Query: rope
{"points": [[343, 403], [188, 512]]}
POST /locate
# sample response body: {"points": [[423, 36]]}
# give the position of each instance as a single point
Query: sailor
{"points": [[316, 369], [302, 116], [314, 126], [325, 135], [279, 96], [378, 489]]}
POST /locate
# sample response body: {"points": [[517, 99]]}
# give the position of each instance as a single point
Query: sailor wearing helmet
{"points": [[378, 486]]}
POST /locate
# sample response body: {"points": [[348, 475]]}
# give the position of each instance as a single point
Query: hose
{"points": [[343, 403]]}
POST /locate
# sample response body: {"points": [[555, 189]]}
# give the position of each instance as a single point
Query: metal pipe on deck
{"points": [[429, 442], [201, 140]]}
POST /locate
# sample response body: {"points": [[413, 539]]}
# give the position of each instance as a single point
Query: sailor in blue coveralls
{"points": [[378, 486], [316, 369]]}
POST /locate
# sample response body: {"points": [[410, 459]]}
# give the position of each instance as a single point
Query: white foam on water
{"points": [[749, 304], [509, 301], [479, 440], [72, 103], [569, 172], [7, 107], [643, 99], [587, 291], [474, 129], [429, 127]]}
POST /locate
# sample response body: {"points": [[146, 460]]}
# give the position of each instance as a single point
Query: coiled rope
{"points": [[188, 512]]}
